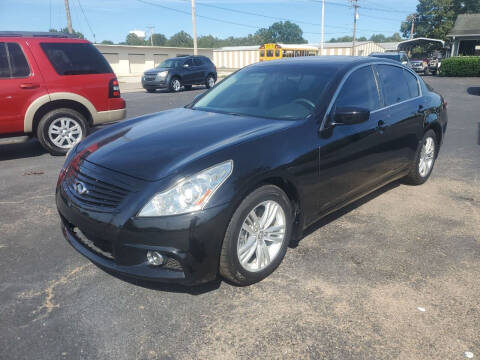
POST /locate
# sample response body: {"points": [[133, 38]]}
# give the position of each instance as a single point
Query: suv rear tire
{"points": [[209, 81], [61, 129]]}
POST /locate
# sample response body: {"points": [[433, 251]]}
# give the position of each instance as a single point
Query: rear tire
{"points": [[254, 246], [424, 161], [61, 129], [210, 81]]}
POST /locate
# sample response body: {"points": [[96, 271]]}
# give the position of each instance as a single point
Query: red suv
{"points": [[55, 87]]}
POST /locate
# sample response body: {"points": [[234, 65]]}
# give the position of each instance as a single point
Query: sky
{"points": [[113, 19]]}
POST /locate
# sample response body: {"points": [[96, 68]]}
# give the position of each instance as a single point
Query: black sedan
{"points": [[223, 185]]}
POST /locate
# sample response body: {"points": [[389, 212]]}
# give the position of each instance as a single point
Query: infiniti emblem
{"points": [[80, 188]]}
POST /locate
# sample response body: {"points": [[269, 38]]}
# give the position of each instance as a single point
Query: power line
{"points": [[211, 18], [86, 20]]}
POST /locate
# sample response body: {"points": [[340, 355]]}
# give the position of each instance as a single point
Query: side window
{"points": [[197, 62], [395, 88], [189, 62], [360, 90], [4, 68], [411, 83], [18, 61]]}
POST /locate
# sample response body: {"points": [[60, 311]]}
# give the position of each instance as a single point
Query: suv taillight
{"points": [[113, 89]]}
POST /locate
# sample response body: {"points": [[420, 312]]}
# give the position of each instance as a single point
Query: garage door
{"points": [[158, 58], [112, 59], [137, 63]]}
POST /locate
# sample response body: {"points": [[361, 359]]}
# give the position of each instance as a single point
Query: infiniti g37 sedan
{"points": [[221, 186]]}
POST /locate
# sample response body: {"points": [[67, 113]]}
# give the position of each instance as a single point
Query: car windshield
{"points": [[277, 92], [388, 56], [170, 63]]}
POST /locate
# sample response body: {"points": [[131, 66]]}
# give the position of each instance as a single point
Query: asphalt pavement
{"points": [[394, 276]]}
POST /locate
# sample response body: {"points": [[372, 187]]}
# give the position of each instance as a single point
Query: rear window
{"points": [[76, 58], [12, 61]]}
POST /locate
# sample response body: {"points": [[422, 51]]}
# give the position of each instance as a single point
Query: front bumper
{"points": [[158, 83], [191, 242]]}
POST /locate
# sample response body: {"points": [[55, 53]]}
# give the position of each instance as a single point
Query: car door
{"points": [[349, 154], [404, 118], [191, 72], [19, 86], [200, 71]]}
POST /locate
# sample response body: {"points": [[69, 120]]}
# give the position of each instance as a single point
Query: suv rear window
{"points": [[12, 61], [76, 58]]}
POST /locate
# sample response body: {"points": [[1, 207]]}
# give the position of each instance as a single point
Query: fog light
{"points": [[155, 258]]}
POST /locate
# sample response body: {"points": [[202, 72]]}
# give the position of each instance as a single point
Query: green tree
{"points": [[133, 39], [347, 39], [75, 34], [435, 18], [158, 40], [281, 32], [107, 42], [180, 39]]}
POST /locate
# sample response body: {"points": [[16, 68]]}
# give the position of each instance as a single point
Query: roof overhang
{"points": [[421, 41]]}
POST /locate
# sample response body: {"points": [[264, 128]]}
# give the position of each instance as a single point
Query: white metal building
{"points": [[127, 60], [236, 57]]}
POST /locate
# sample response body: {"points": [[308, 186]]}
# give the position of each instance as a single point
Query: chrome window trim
{"points": [[347, 75]]}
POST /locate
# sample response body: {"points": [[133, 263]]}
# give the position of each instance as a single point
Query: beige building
{"points": [[236, 57], [127, 60]]}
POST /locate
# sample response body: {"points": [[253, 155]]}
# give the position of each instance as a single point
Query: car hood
{"points": [[155, 71], [159, 145]]}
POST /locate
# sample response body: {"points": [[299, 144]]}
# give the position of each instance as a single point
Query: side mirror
{"points": [[350, 116], [185, 66]]}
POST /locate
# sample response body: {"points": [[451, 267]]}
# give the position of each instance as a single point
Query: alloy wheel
{"points": [[211, 81], [427, 155], [65, 132], [176, 85], [261, 236]]}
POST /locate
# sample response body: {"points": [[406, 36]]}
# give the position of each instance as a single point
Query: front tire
{"points": [[424, 159], [61, 129], [175, 85], [257, 236]]}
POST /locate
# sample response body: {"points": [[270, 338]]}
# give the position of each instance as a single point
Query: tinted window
{"points": [[360, 90], [197, 62], [395, 88], [170, 63], [4, 68], [387, 56], [75, 58], [278, 92], [18, 62], [189, 62], [411, 83]]}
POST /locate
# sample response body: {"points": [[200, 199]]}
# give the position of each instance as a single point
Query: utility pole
{"points": [[323, 28], [194, 25], [355, 15], [69, 19], [413, 25], [150, 30]]}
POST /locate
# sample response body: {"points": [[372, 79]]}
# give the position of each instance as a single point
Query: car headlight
{"points": [[190, 194], [162, 74]]}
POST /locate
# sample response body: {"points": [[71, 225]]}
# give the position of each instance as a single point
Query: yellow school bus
{"points": [[280, 51]]}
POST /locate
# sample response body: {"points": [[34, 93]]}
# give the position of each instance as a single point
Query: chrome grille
{"points": [[104, 189]]}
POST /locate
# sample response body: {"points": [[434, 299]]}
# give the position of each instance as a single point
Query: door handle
{"points": [[381, 125], [29, 85]]}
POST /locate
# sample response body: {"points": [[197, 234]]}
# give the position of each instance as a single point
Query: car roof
{"points": [[342, 61], [39, 35]]}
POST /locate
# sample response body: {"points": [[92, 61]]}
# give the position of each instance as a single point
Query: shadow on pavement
{"points": [[474, 90], [339, 213], [20, 150], [174, 288]]}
